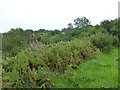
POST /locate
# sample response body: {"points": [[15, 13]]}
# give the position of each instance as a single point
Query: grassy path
{"points": [[96, 73], [100, 72]]}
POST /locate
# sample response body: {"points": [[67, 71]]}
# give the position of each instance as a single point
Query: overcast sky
{"points": [[53, 14]]}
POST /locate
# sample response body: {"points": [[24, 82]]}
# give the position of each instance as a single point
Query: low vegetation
{"points": [[75, 57]]}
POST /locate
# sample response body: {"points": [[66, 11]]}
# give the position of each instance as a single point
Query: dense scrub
{"points": [[32, 58]]}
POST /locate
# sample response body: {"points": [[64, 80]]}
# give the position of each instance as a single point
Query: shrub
{"points": [[103, 41], [17, 72]]}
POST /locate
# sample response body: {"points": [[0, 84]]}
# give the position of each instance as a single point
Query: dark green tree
{"points": [[70, 26], [106, 25], [81, 22]]}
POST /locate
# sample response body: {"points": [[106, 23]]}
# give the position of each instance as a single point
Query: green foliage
{"points": [[23, 71], [55, 58], [81, 22], [111, 26], [106, 25], [100, 72], [70, 26], [103, 41]]}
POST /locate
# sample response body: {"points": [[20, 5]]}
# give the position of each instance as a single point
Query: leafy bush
{"points": [[18, 72], [33, 64], [103, 41]]}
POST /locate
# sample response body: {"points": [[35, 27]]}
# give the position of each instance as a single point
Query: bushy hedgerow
{"points": [[31, 67], [34, 66], [23, 71], [103, 41]]}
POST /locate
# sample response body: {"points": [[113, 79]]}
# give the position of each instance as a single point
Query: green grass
{"points": [[95, 73]]}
